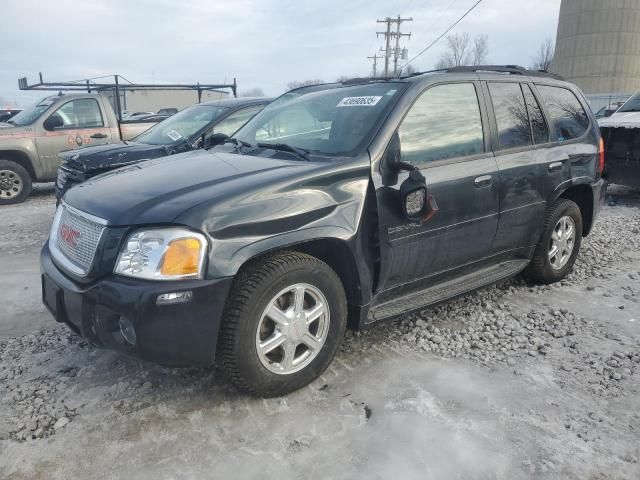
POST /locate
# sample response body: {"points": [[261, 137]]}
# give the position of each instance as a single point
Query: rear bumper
{"points": [[179, 335]]}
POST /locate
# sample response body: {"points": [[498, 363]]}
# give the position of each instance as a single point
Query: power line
{"points": [[440, 37]]}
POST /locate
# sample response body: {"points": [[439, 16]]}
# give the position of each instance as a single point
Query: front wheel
{"points": [[559, 243], [282, 325]]}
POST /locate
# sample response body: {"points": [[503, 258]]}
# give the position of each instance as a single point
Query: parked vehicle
{"points": [[608, 110], [31, 141], [7, 114], [167, 111], [186, 130], [341, 207], [136, 115], [621, 134]]}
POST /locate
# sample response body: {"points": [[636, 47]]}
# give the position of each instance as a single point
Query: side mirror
{"points": [[413, 193], [215, 139], [53, 122]]}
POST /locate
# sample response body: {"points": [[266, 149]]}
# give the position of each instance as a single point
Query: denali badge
{"points": [[69, 234]]}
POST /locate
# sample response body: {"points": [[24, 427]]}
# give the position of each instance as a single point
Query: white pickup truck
{"points": [[31, 141]]}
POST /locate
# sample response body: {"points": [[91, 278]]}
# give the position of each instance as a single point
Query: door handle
{"points": [[98, 135], [555, 166], [483, 181]]}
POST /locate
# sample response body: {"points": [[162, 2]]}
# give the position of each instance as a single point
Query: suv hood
{"points": [[114, 155], [160, 190]]}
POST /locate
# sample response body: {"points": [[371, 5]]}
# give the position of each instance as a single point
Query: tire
{"points": [[15, 183], [246, 326], [545, 268]]}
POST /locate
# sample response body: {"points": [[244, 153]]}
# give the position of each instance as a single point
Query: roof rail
{"points": [[361, 80], [507, 69]]}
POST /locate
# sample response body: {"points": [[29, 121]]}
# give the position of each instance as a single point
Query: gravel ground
{"points": [[513, 381]]}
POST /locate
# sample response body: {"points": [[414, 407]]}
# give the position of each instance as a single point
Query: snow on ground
{"points": [[514, 381]]}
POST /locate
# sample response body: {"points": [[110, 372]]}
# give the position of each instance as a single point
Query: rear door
{"points": [[445, 135], [575, 149], [522, 204], [83, 125]]}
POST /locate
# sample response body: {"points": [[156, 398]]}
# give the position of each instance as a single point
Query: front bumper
{"points": [[178, 335]]}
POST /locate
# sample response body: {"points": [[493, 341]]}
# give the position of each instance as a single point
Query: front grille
{"points": [[75, 238]]}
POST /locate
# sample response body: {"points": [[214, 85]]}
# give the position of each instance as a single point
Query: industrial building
{"points": [[598, 47]]}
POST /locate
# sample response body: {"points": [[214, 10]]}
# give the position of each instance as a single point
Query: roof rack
{"points": [[506, 69], [361, 80]]}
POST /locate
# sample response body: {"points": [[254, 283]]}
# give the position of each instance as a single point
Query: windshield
{"points": [[30, 114], [632, 105], [335, 121], [181, 126]]}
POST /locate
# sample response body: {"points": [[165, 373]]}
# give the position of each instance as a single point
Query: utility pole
{"points": [[375, 58], [388, 35]]}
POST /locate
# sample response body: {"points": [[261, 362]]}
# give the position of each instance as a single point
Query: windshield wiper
{"points": [[239, 143], [284, 147]]}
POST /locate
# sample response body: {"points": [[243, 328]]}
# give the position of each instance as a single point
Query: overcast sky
{"points": [[262, 43]]}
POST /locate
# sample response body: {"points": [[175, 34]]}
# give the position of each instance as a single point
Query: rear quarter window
{"points": [[568, 118]]}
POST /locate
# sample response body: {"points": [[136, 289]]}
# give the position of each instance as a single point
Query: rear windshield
{"points": [[336, 121], [631, 105]]}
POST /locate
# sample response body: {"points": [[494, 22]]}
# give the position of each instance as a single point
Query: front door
{"points": [[445, 134], [82, 126]]}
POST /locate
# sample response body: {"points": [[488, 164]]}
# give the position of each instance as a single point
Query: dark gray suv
{"points": [[336, 208]]}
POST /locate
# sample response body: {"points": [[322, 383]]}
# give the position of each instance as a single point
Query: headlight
{"points": [[163, 254]]}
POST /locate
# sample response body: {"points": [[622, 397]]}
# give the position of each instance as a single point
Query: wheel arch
{"points": [[336, 253], [21, 158], [581, 195]]}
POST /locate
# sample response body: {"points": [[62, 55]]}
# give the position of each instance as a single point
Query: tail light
{"points": [[601, 157]]}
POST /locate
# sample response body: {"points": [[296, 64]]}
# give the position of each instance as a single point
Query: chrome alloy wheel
{"points": [[562, 241], [10, 184], [293, 329]]}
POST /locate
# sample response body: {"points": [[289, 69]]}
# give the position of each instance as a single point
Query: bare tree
{"points": [[303, 83], [252, 92], [460, 52], [543, 59], [480, 50]]}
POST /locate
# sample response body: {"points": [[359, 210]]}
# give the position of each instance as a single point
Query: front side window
{"points": [[331, 122], [569, 118], [233, 122], [81, 113], [443, 123], [512, 118], [181, 126]]}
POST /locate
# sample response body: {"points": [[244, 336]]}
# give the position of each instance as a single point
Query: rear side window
{"points": [[567, 115], [538, 123], [511, 115], [443, 123]]}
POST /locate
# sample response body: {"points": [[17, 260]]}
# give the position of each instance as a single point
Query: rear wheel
{"points": [[15, 183], [282, 325], [559, 244]]}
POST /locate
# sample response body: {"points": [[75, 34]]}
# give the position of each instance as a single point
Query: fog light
{"points": [[127, 330], [174, 297]]}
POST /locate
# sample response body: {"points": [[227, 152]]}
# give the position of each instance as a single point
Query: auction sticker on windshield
{"points": [[173, 135], [358, 102]]}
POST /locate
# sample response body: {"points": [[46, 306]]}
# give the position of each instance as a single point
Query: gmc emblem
{"points": [[69, 234]]}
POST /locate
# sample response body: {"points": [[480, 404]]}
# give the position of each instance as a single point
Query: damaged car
{"points": [[181, 132], [621, 136], [335, 209]]}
